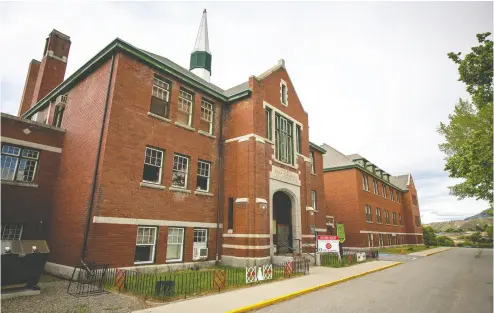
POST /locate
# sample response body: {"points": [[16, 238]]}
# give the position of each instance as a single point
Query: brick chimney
{"points": [[45, 76]]}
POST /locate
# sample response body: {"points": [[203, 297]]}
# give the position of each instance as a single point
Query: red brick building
{"points": [[160, 166], [376, 208]]}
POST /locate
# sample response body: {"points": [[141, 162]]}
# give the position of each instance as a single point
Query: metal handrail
{"points": [[287, 246], [314, 256]]}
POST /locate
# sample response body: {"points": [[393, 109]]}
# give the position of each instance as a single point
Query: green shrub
{"points": [[444, 241]]}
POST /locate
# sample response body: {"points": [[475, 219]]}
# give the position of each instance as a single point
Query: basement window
{"points": [[153, 165], [145, 245], [175, 244], [11, 231]]}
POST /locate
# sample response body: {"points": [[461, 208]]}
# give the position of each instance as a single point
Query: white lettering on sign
{"points": [[283, 175]]}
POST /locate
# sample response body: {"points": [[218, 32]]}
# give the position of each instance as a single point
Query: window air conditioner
{"points": [[61, 101], [200, 253]]}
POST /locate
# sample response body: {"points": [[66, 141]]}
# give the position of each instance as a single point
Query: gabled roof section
{"points": [[148, 58], [400, 181], [316, 147], [333, 158]]}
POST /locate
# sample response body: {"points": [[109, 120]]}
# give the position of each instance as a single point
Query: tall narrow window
{"points": [[230, 213], [180, 171], [385, 195], [365, 182], [207, 115], [390, 240], [378, 216], [200, 237], [203, 173], [370, 240], [160, 101], [400, 219], [153, 164], [19, 163], [368, 213], [11, 231], [185, 102], [391, 194], [299, 139], [398, 197], [145, 245], [386, 216], [381, 240], [269, 124], [314, 200], [58, 116], [394, 218], [284, 139], [312, 163], [175, 244], [376, 186], [284, 94]]}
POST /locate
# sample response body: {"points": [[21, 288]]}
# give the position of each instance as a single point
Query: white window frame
{"points": [[386, 217], [393, 218], [400, 219], [12, 231], [200, 172], [385, 194], [179, 156], [283, 94], [370, 240], [365, 182], [201, 233], [184, 102], [161, 89], [390, 240], [381, 240], [376, 186], [160, 166], [312, 163], [391, 194], [181, 244], [368, 213], [284, 139], [153, 253], [16, 154], [314, 200], [378, 216], [207, 113]]}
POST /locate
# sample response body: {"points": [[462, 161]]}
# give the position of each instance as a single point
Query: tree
{"points": [[489, 231], [429, 236], [469, 135], [444, 241]]}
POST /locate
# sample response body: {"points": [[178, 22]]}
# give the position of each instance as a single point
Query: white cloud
{"points": [[373, 76]]}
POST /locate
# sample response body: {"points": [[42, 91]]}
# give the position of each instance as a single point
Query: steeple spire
{"points": [[200, 59]]}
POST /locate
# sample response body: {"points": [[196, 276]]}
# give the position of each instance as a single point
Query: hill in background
{"points": [[470, 223]]}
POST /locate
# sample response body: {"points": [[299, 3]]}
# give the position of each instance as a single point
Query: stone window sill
{"points": [[285, 164], [179, 190], [313, 174], [203, 193], [161, 118], [151, 185], [201, 132], [369, 222], [185, 126], [20, 184]]}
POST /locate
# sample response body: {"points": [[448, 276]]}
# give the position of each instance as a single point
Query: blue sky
{"points": [[373, 76]]}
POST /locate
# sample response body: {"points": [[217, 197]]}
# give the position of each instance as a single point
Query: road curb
{"points": [[292, 295], [437, 252]]}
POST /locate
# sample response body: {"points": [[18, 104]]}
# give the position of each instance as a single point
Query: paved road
{"points": [[454, 281]]}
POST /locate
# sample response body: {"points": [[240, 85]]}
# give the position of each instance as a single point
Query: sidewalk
{"points": [[235, 299], [429, 252]]}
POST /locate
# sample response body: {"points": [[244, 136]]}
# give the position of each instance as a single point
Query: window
{"points": [[370, 239], [185, 101], [12, 231], [284, 94], [415, 201], [398, 198], [180, 171], [207, 115], [391, 194], [153, 164], [400, 219], [368, 213], [145, 245], [376, 186], [394, 218], [58, 116], [386, 216], [269, 125], [384, 192], [314, 200], [417, 221], [200, 237], [230, 213], [365, 182], [312, 163], [299, 139], [18, 163], [161, 97], [390, 240], [381, 240], [203, 172], [175, 244], [378, 215], [284, 139]]}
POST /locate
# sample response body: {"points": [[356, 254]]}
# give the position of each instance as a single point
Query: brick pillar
{"points": [[27, 93]]}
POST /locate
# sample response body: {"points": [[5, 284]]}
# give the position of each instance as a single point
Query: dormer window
{"points": [[284, 93]]}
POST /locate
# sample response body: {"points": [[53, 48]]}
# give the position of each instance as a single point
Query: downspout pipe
{"points": [[219, 206], [96, 165]]}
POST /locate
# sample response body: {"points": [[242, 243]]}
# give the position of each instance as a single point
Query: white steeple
{"points": [[200, 59]]}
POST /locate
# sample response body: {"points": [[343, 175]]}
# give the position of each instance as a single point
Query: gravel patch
{"points": [[55, 299]]}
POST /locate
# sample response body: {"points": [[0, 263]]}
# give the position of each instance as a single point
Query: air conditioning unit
{"points": [[200, 253], [61, 101]]}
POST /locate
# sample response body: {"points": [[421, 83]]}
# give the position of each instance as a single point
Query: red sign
{"points": [[328, 246], [327, 238]]}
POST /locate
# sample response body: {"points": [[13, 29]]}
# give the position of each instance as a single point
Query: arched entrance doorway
{"points": [[282, 222]]}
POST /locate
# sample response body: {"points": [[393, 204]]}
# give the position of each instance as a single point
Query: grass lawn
{"points": [[406, 249]]}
